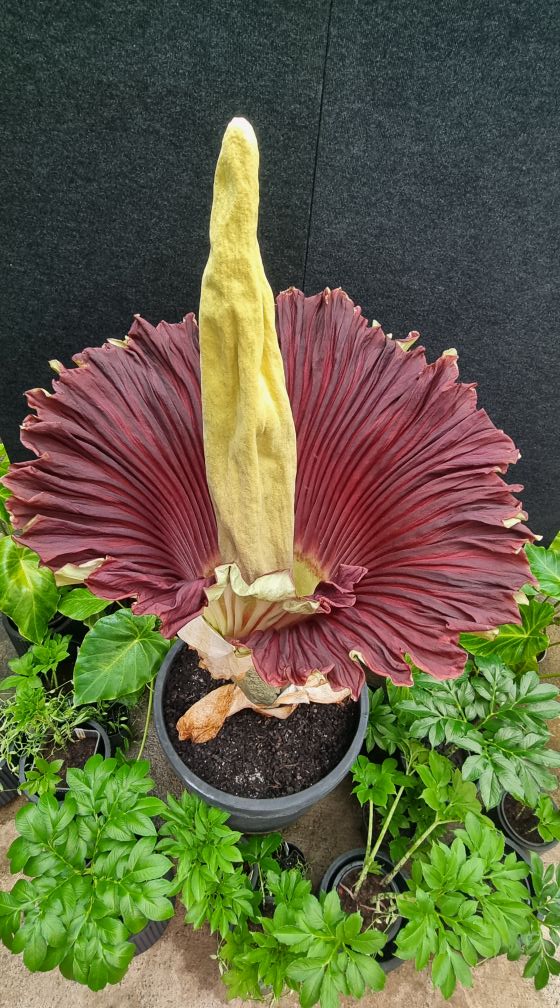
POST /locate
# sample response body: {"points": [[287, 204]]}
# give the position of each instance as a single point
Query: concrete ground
{"points": [[180, 970]]}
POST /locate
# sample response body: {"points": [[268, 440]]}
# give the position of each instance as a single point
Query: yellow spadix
{"points": [[249, 436]]}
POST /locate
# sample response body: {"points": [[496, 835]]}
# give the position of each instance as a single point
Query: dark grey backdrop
{"points": [[409, 154]]}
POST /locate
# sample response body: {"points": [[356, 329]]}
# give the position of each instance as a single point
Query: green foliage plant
{"points": [[548, 816], [540, 943], [498, 718], [309, 946], [35, 721], [520, 645], [43, 778], [447, 799], [214, 888], [37, 718], [467, 901], [93, 876], [39, 662]]}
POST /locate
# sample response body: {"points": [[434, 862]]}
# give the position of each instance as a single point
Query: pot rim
{"points": [[103, 744], [235, 803], [518, 838], [353, 859]]}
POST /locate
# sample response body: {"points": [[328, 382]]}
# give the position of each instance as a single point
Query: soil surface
{"points": [[75, 755], [289, 856], [376, 913], [255, 756], [523, 819]]}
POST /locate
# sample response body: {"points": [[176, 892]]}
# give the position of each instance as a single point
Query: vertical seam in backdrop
{"points": [[319, 124]]}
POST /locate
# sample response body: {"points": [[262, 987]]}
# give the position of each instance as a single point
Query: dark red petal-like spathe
{"points": [[397, 472], [120, 472]]}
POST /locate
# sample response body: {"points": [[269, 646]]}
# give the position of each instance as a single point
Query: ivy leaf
{"points": [[119, 655], [28, 593]]}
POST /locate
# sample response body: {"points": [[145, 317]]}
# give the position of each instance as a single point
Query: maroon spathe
{"points": [[399, 500]]}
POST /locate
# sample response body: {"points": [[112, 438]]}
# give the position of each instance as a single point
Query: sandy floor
{"points": [[179, 970]]}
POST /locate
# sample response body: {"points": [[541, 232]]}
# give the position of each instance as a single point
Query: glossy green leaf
{"points": [[80, 603], [515, 644], [4, 492], [28, 593], [545, 565], [119, 655]]}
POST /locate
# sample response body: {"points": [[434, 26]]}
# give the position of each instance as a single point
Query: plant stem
{"points": [[365, 866], [370, 857], [389, 878], [147, 722]]}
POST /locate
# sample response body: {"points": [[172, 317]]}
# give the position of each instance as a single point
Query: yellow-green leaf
{"points": [[28, 593]]}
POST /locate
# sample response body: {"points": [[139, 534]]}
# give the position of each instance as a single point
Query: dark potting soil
{"points": [[378, 913], [455, 756], [255, 756], [75, 755], [288, 856], [523, 819]]}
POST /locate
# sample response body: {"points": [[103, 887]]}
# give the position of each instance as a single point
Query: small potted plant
{"points": [[279, 447], [467, 901], [39, 722], [96, 891], [366, 880], [535, 829]]}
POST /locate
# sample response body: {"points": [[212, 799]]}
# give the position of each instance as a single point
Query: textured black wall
{"points": [[113, 114], [437, 199], [423, 136]]}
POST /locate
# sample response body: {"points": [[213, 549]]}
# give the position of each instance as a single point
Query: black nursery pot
{"points": [[355, 859], [9, 785], [149, 935], [502, 817], [254, 815], [103, 746], [152, 933], [60, 624]]}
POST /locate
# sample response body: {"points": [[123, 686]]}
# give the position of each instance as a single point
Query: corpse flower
{"points": [[166, 470]]}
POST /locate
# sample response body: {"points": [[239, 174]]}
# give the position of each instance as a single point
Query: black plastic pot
{"points": [[59, 624], [149, 935], [293, 852], [355, 859], [9, 785], [89, 727], [500, 817], [253, 815], [522, 855]]}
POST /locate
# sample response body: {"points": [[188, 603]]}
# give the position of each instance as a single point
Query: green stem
{"points": [[147, 722], [389, 878], [365, 866], [370, 857]]}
